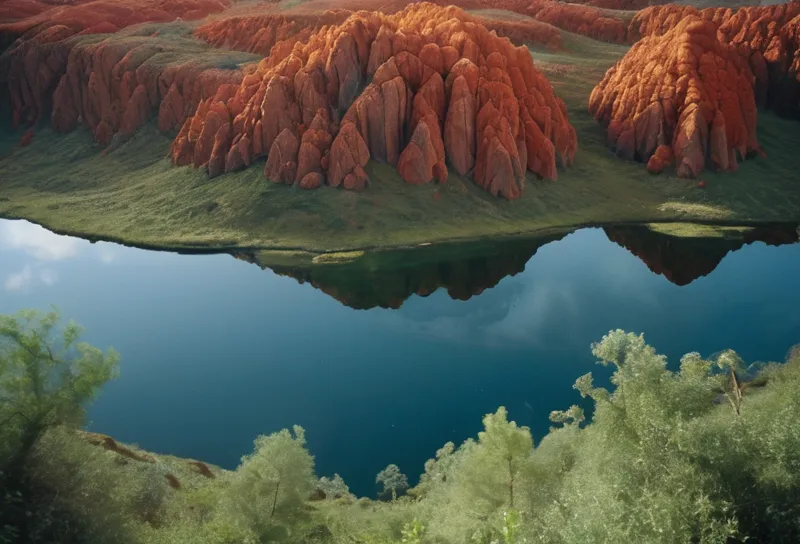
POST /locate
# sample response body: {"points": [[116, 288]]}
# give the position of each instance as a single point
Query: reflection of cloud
{"points": [[37, 241], [20, 281], [536, 310], [106, 256], [28, 277], [48, 277]]}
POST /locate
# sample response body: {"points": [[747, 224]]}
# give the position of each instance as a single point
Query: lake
{"points": [[216, 350]]}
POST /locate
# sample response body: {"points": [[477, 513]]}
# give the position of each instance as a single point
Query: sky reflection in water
{"points": [[216, 350]]}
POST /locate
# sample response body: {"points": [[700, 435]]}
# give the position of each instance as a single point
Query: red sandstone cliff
{"points": [[414, 89], [683, 94], [34, 65], [764, 35]]}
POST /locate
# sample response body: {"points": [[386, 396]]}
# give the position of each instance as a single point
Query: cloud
{"points": [[20, 281], [37, 241]]}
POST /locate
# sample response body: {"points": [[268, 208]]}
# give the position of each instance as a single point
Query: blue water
{"points": [[216, 350]]}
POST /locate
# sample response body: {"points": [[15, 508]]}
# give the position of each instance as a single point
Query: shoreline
{"points": [[207, 249]]}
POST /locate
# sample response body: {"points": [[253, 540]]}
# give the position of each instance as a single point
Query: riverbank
{"points": [[133, 195]]}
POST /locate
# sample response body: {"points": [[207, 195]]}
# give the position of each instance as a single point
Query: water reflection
{"points": [[388, 279], [42, 249], [683, 259], [680, 253]]}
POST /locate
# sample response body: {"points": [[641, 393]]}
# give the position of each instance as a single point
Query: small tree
{"points": [[392, 480], [503, 441], [334, 488], [47, 377], [275, 479]]}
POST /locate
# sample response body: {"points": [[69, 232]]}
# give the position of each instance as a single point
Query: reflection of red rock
{"points": [[684, 89], [35, 63], [387, 284], [402, 115], [765, 35], [683, 260]]}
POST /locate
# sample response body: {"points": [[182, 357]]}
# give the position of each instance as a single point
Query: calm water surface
{"points": [[216, 350]]}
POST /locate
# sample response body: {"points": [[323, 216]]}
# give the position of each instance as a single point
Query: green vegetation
{"points": [[46, 379], [132, 194], [709, 453]]}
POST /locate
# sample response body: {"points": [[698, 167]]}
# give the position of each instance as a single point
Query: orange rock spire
{"points": [[411, 89], [684, 90]]}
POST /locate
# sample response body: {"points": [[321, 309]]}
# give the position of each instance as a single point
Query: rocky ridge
{"points": [[766, 36], [413, 89], [683, 94], [33, 67]]}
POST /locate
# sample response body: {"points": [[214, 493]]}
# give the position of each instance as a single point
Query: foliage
{"points": [[334, 488], [392, 480], [413, 532], [47, 376], [270, 486]]}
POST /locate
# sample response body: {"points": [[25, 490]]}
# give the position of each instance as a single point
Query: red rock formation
{"points": [[33, 66], [114, 86], [15, 10], [260, 33], [623, 4], [764, 35], [525, 32], [660, 160], [684, 89], [787, 94], [89, 17], [502, 120], [595, 23], [15, 16]]}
